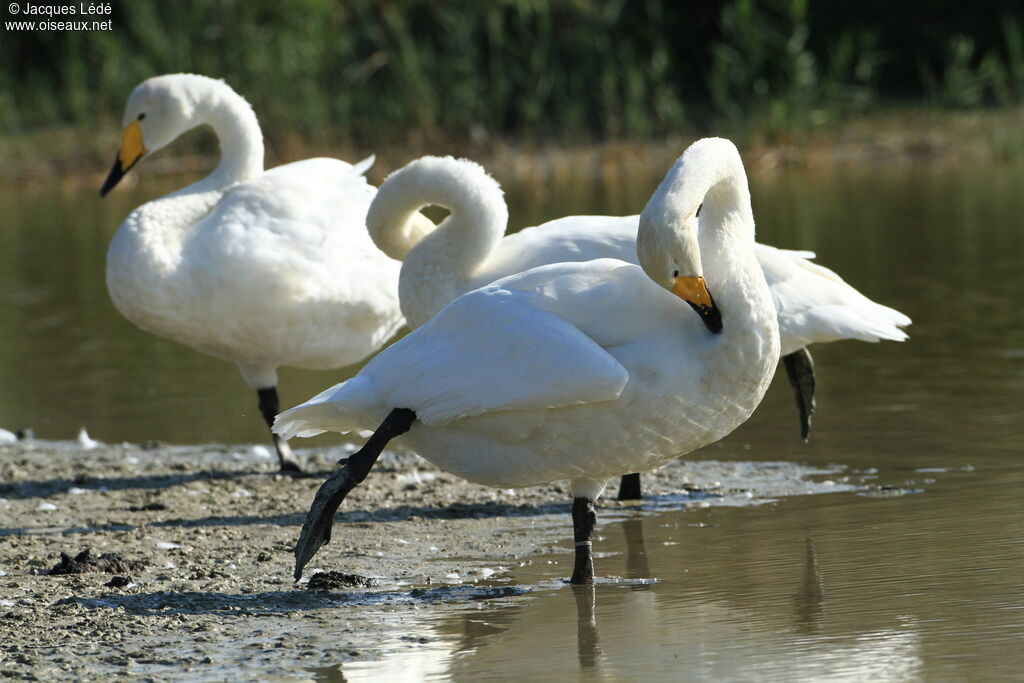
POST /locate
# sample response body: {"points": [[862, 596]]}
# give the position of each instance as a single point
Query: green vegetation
{"points": [[377, 73]]}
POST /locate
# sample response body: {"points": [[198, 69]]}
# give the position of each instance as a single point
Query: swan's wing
{"points": [[563, 240], [815, 305], [318, 186], [302, 205], [539, 339], [294, 236], [300, 226], [489, 350]]}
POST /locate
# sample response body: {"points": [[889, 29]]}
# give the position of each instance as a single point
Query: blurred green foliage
{"points": [[365, 71]]}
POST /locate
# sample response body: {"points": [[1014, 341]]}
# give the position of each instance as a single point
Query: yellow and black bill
{"points": [[694, 291], [132, 149]]}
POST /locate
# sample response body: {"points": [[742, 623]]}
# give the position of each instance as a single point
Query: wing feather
{"points": [[492, 350]]}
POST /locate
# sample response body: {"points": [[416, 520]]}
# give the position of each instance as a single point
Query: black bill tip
{"points": [[115, 175], [710, 315]]}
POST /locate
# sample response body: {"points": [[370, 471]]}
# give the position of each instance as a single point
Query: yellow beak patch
{"points": [[131, 145], [694, 291]]}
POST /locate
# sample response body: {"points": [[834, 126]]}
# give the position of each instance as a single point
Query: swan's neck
{"points": [[726, 232], [395, 223], [439, 265], [238, 132], [710, 175], [154, 232], [736, 280]]}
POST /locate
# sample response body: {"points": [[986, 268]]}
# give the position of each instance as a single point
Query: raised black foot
{"points": [[800, 370], [316, 530], [629, 487]]}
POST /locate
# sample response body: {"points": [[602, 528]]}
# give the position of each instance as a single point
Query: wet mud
{"points": [[199, 540]]}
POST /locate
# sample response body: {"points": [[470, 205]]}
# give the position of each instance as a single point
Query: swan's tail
{"points": [[859, 318], [344, 407], [361, 167], [816, 305]]}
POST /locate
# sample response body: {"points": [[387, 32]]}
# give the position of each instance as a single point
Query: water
{"points": [[817, 588], [922, 581]]}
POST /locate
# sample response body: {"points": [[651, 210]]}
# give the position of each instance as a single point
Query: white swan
{"points": [[580, 371], [468, 250], [262, 269]]}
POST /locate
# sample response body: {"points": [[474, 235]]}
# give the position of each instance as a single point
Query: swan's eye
{"points": [[698, 210], [675, 273], [143, 115]]}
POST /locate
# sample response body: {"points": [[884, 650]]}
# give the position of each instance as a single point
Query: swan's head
{"points": [[667, 245], [158, 111]]}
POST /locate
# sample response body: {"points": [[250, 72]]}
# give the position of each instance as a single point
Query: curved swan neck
{"points": [[239, 134], [699, 217], [439, 262], [212, 102], [710, 175], [393, 218]]}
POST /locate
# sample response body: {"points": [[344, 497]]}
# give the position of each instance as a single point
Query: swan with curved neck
{"points": [[814, 305], [438, 264], [580, 371], [262, 269]]}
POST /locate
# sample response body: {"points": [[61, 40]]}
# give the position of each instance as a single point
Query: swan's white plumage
{"points": [[263, 270], [580, 371], [814, 304], [459, 366]]}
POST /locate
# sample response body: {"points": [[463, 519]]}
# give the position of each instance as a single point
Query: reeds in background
{"points": [[376, 72]]}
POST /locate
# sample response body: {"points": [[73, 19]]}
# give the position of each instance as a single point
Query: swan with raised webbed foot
{"points": [[576, 371], [259, 268], [469, 249]]}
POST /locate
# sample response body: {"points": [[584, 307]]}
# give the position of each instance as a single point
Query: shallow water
{"points": [[922, 580], [834, 587]]}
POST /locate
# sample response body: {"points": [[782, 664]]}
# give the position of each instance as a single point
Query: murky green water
{"points": [[924, 585]]}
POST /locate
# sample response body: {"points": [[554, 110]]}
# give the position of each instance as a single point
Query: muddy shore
{"points": [[214, 527]]}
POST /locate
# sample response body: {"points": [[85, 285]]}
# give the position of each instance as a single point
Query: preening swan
{"points": [[261, 269], [469, 250], [579, 371]]}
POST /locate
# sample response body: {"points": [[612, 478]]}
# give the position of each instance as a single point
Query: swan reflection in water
{"points": [[774, 621]]}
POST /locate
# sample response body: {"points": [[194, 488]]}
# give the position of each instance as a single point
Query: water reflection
{"points": [[588, 642], [743, 596], [636, 551], [809, 600]]}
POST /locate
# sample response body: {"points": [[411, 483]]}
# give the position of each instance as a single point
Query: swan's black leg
{"points": [[800, 370], [316, 530], [629, 487], [269, 408], [584, 518]]}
